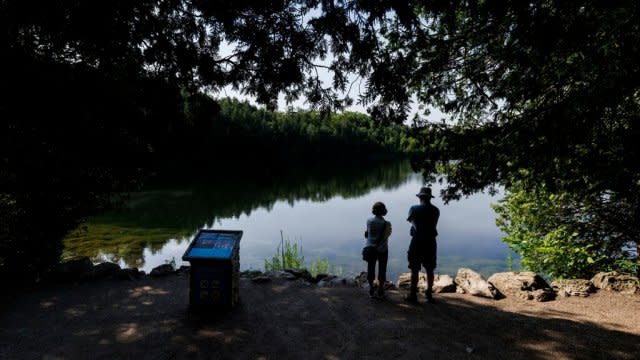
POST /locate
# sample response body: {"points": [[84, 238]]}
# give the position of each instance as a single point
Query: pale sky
{"points": [[325, 76]]}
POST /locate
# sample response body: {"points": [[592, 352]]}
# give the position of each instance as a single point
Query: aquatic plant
{"points": [[288, 256]]}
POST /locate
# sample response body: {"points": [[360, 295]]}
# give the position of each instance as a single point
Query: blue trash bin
{"points": [[215, 269]]}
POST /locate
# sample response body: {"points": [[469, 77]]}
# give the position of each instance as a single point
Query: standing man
{"points": [[422, 250]]}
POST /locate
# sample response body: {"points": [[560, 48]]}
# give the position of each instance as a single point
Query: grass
{"points": [[289, 256]]}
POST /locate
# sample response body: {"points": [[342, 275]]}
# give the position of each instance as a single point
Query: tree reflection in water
{"points": [[153, 217]]}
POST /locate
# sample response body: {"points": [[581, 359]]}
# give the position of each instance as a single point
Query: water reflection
{"points": [[323, 209], [157, 216]]}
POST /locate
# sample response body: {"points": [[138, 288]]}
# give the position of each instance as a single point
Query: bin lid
{"points": [[213, 244]]}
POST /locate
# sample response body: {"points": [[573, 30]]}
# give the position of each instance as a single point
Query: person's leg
{"points": [[413, 290], [382, 271], [430, 265], [430, 277], [414, 265], [371, 274]]}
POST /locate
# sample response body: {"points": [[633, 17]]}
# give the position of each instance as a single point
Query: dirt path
{"points": [[148, 319]]}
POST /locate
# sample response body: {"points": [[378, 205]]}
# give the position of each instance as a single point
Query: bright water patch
{"points": [[325, 214]]}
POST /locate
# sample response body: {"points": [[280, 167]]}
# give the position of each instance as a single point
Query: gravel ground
{"points": [[149, 319]]}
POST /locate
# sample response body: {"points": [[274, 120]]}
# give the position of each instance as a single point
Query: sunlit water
{"points": [[326, 216]]}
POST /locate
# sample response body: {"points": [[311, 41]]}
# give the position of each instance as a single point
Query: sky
{"points": [[355, 90]]}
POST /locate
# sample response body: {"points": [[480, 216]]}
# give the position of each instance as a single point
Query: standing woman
{"points": [[376, 249]]}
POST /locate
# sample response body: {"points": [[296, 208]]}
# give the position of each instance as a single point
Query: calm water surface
{"points": [[325, 214]]}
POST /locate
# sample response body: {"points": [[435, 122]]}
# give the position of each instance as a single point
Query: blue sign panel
{"points": [[213, 245]]}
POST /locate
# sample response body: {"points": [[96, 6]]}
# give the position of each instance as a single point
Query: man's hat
{"points": [[425, 192]]}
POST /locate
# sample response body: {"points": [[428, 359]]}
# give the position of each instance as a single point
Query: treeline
{"points": [[111, 137], [233, 133]]}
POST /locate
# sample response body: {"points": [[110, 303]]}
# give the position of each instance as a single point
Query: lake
{"points": [[322, 209]]}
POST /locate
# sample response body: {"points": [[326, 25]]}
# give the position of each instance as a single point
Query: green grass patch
{"points": [[289, 256]]}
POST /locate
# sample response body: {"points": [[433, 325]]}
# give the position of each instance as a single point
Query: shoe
{"points": [[371, 292], [380, 295], [429, 297], [411, 298]]}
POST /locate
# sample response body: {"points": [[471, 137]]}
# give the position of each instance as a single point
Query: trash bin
{"points": [[215, 269]]}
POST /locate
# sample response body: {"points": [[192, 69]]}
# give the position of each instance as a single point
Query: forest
{"points": [[541, 98]]}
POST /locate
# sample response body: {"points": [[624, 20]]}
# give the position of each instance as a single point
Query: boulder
{"points": [[335, 281], [361, 280], [389, 285], [105, 269], [319, 277], [573, 287], [162, 270], [615, 281], [542, 295], [184, 269], [128, 274], [260, 279], [251, 274], [441, 283], [74, 269], [280, 275], [404, 281], [525, 285], [470, 282], [300, 273]]}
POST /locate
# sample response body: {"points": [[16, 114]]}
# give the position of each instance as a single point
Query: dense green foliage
{"points": [[538, 95], [305, 135], [564, 235], [549, 87]]}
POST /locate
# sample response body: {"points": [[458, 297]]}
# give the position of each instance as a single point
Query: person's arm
{"points": [[387, 231], [366, 232]]}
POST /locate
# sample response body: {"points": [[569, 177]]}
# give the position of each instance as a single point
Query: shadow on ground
{"points": [[148, 319]]}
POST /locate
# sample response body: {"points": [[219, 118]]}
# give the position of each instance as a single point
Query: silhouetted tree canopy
{"points": [[535, 91]]}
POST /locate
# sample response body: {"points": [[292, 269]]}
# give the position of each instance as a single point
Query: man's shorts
{"points": [[422, 252]]}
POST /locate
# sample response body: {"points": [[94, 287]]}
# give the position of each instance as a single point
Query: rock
{"points": [[319, 277], [615, 281], [251, 274], [525, 285], [300, 273], [404, 281], [326, 281], [443, 284], [74, 269], [280, 275], [543, 295], [128, 274], [389, 285], [184, 269], [573, 287], [361, 280], [474, 284], [334, 281], [162, 270], [260, 279], [105, 269]]}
